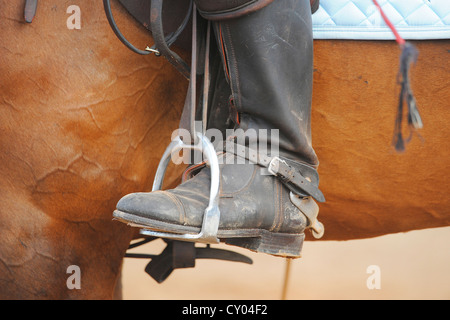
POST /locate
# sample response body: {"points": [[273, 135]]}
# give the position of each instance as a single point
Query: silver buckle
{"points": [[274, 166], [211, 217]]}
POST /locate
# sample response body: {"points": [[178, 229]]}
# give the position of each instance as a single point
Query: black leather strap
{"points": [[115, 28], [291, 176], [294, 180], [162, 43], [314, 5]]}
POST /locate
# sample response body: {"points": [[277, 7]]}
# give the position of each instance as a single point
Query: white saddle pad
{"points": [[361, 20]]}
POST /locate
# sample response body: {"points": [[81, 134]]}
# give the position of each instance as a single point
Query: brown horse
{"points": [[84, 121], [371, 190]]}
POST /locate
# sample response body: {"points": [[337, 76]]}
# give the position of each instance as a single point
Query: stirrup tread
{"points": [[259, 240]]}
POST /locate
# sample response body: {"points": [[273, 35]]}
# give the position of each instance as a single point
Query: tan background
{"points": [[414, 265]]}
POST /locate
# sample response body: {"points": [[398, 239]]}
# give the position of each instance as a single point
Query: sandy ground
{"points": [[413, 265]]}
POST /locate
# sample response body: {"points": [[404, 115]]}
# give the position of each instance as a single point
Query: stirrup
{"points": [[211, 217]]}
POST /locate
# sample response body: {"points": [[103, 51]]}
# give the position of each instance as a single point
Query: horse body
{"points": [[371, 189], [84, 121]]}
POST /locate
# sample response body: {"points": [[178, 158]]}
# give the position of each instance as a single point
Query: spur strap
{"points": [[288, 174]]}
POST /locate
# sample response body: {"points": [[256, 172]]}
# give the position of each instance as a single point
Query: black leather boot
{"points": [[267, 203]]}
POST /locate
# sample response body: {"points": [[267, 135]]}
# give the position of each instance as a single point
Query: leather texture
{"points": [[228, 9], [173, 14], [314, 5], [184, 205], [269, 69]]}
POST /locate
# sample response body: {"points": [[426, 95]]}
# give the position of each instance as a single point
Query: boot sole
{"points": [[287, 245]]}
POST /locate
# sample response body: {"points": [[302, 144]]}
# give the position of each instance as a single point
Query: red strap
{"points": [[398, 38]]}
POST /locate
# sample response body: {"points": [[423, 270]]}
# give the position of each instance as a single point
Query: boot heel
{"points": [[277, 244]]}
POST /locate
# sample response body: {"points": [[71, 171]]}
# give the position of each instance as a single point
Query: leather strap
{"points": [[293, 179], [288, 174], [314, 5], [160, 41]]}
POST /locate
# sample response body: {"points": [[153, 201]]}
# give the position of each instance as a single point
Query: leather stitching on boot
{"points": [[280, 216], [277, 204], [179, 205]]}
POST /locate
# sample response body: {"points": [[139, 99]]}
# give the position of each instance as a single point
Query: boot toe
{"points": [[157, 205]]}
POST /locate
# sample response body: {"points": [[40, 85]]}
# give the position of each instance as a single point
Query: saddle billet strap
{"points": [[115, 28], [172, 37], [288, 174], [160, 41], [30, 10], [173, 11], [188, 115]]}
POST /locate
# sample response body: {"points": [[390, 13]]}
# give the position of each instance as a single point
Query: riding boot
{"points": [[265, 200]]}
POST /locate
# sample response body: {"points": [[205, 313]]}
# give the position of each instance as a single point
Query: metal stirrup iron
{"points": [[211, 218]]}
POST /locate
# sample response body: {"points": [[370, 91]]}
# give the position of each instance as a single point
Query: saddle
{"points": [[173, 13], [140, 9]]}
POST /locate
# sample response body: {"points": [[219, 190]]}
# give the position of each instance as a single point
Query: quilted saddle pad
{"points": [[361, 20]]}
